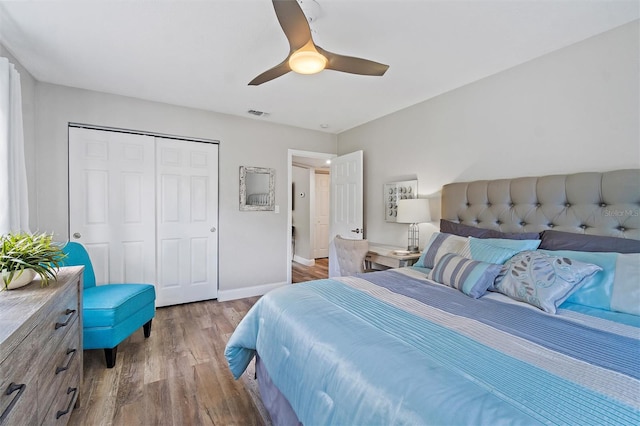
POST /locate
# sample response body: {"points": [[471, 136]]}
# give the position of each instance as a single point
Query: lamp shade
{"points": [[415, 210]]}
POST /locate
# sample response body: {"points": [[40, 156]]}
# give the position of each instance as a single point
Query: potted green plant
{"points": [[24, 255]]}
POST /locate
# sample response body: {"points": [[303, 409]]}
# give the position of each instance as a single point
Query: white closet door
{"points": [[187, 221], [112, 203]]}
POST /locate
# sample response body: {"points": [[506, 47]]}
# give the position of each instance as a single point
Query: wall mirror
{"points": [[257, 188]]}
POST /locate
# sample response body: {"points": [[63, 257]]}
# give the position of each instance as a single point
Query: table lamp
{"points": [[413, 211]]}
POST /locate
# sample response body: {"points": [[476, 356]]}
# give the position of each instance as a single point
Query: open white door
{"points": [[346, 202]]}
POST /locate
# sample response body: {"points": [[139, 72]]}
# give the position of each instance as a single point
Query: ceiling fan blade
{"points": [[352, 65], [275, 72], [293, 22]]}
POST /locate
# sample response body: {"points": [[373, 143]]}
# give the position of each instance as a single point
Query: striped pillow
{"points": [[438, 245], [491, 250], [471, 277]]}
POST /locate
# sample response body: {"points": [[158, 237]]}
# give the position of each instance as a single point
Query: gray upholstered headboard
{"points": [[588, 203]]}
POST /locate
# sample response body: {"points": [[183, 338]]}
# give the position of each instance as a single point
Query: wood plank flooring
{"points": [[301, 273], [178, 376]]}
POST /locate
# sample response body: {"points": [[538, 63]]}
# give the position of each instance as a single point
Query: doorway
{"points": [[308, 209]]}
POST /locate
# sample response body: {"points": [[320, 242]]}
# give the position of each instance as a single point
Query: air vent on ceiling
{"points": [[258, 113]]}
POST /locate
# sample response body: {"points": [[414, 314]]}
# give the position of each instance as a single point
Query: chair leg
{"points": [[110, 355], [147, 329]]}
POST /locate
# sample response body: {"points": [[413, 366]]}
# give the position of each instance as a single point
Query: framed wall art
{"points": [[394, 191]]}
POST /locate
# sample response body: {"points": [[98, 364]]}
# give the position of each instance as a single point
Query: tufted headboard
{"points": [[587, 203]]}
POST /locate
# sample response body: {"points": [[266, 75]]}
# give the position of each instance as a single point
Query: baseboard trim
{"points": [[303, 261], [241, 293]]}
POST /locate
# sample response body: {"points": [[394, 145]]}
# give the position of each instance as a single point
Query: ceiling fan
{"points": [[305, 57]]}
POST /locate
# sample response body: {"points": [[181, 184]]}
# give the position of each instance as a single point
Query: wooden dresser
{"points": [[41, 350]]}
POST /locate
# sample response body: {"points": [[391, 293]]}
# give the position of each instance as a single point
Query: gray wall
{"points": [[253, 245], [575, 109]]}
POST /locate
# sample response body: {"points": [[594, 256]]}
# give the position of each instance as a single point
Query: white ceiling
{"points": [[202, 54]]}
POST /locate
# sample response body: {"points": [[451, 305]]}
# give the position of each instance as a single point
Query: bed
{"points": [[523, 309]]}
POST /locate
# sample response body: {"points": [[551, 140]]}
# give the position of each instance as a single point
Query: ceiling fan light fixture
{"points": [[304, 56], [307, 62]]}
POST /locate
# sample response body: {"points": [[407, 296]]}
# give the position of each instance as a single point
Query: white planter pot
{"points": [[20, 279]]}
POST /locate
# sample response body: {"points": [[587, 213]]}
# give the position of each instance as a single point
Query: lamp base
{"points": [[413, 238]]}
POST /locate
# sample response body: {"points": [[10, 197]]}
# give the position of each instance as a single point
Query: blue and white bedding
{"points": [[392, 347]]}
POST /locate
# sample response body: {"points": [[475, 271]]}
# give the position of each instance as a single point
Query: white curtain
{"points": [[14, 207]]}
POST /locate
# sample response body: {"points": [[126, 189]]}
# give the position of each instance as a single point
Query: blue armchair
{"points": [[111, 312]]}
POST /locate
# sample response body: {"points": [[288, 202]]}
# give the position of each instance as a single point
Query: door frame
{"points": [[296, 153]]}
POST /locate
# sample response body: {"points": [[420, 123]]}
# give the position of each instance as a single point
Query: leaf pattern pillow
{"points": [[542, 280]]}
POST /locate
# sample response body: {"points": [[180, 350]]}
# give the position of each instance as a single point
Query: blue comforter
{"points": [[387, 348]]}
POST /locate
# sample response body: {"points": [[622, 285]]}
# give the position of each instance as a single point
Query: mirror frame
{"points": [[244, 170]]}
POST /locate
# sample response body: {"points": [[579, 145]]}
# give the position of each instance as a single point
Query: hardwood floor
{"points": [[178, 376], [301, 273]]}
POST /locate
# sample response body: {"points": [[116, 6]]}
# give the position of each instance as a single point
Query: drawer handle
{"points": [[66, 367], [62, 413], [69, 312], [11, 389]]}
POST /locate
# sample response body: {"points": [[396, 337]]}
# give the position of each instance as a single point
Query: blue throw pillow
{"points": [[614, 288], [596, 291], [518, 245], [542, 280], [471, 277], [487, 250]]}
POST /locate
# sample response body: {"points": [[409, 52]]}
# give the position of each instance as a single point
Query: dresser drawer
{"points": [[57, 324], [65, 311], [55, 321], [64, 398], [62, 361], [19, 379]]}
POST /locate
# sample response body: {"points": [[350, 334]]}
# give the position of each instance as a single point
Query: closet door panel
{"points": [[199, 260], [112, 202], [187, 176]]}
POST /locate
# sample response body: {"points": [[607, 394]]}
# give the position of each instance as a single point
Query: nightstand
{"points": [[382, 256]]}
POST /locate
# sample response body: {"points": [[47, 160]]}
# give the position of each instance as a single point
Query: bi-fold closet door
{"points": [[146, 208]]}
